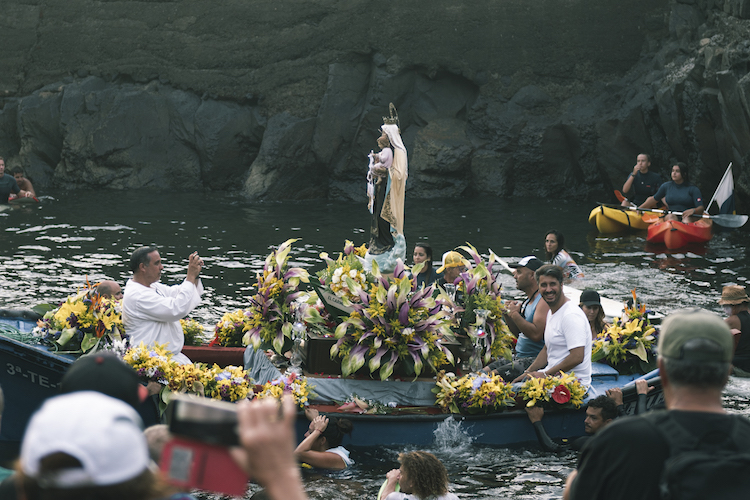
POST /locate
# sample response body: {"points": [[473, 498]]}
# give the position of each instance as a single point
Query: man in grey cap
{"points": [[525, 319], [635, 457]]}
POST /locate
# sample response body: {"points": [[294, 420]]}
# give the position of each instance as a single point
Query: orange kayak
{"points": [[676, 234]]}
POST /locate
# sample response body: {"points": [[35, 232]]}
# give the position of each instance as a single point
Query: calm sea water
{"points": [[49, 250]]}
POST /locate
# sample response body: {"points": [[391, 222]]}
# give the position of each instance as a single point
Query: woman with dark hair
{"points": [[591, 304], [554, 244], [321, 447], [423, 254], [421, 476], [678, 195]]}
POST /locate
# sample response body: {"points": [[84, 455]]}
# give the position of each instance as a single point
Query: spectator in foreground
{"points": [[421, 477], [86, 445], [267, 438], [695, 352]]}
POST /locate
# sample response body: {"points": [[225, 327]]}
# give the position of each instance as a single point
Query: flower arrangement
{"points": [[187, 378], [318, 320], [394, 321], [193, 331], [231, 328], [270, 317], [292, 384], [472, 393], [481, 290], [629, 342], [345, 277], [350, 249], [85, 321], [152, 362], [561, 391], [230, 383]]}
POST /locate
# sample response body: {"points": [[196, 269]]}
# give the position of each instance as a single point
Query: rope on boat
{"points": [[14, 333]]}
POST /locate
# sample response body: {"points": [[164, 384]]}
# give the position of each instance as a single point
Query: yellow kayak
{"points": [[615, 220]]}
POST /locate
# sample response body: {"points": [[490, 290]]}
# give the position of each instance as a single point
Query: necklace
{"points": [[527, 302]]}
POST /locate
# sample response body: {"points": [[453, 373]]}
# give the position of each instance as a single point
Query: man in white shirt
{"points": [[151, 311], [567, 335]]}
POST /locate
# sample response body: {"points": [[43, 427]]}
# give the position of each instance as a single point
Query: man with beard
{"points": [[567, 335]]}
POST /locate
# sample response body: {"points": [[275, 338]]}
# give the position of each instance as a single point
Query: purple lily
{"points": [[403, 315]]}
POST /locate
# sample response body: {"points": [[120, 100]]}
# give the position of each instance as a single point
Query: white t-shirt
{"points": [[343, 453], [566, 329]]}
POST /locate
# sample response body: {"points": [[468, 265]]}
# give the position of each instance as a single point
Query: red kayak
{"points": [[676, 234]]}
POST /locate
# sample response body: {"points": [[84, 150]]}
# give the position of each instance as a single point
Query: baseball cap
{"points": [[590, 297], [103, 433], [529, 262], [451, 259], [105, 373], [682, 326]]}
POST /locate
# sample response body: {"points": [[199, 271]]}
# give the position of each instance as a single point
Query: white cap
{"points": [[101, 432]]}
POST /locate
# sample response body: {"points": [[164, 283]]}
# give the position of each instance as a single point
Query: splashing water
{"points": [[451, 436]]}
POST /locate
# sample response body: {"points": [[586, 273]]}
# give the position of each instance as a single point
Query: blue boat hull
{"points": [[31, 373], [28, 375], [508, 428]]}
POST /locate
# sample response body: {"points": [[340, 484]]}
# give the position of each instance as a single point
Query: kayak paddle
{"points": [[726, 220], [621, 197]]}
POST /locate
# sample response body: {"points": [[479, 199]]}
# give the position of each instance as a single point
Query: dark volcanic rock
{"points": [[283, 100]]}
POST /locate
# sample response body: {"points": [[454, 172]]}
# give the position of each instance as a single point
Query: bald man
{"points": [[109, 290]]}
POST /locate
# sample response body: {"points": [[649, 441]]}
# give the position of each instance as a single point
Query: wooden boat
{"points": [[616, 220], [675, 234], [32, 373], [511, 427]]}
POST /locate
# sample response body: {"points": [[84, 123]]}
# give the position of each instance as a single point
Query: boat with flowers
{"points": [[399, 360]]}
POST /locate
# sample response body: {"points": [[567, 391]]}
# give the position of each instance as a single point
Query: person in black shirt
{"points": [[643, 182], [735, 302], [627, 458]]}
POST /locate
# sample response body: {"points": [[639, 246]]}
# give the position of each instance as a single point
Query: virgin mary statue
{"points": [[387, 187]]}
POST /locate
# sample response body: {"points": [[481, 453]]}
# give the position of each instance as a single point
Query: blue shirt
{"points": [[525, 347], [679, 197], [8, 185]]}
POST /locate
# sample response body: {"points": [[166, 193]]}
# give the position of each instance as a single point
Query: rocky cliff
{"points": [[282, 100]]}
